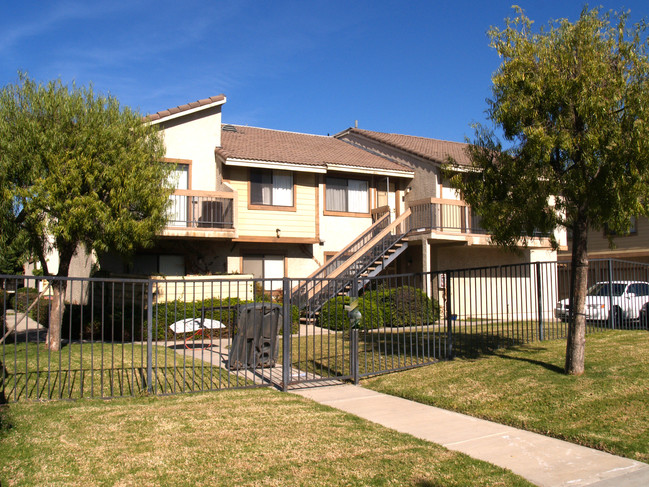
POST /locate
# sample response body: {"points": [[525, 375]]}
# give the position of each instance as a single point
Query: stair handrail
{"points": [[324, 268], [377, 239], [322, 285], [307, 287]]}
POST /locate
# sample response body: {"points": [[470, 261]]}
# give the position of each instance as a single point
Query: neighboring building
{"points": [[632, 247]]}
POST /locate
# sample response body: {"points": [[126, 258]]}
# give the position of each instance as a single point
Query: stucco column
{"points": [[426, 266]]}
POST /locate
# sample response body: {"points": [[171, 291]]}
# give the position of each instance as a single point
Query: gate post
{"points": [[286, 334], [449, 319], [611, 314], [539, 301], [353, 356], [149, 338]]}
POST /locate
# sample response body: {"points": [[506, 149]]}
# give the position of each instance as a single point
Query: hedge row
{"points": [[129, 322], [334, 316], [405, 306], [393, 307]]}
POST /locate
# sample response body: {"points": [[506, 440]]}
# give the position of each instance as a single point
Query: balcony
{"points": [[453, 220], [201, 214], [448, 216]]}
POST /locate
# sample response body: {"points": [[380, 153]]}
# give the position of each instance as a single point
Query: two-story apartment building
{"points": [[272, 203], [275, 204], [258, 201]]}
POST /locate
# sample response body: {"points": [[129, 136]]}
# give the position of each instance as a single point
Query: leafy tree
{"points": [[572, 101], [77, 170]]}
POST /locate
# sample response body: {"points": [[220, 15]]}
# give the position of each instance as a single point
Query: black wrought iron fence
{"points": [[125, 337]]}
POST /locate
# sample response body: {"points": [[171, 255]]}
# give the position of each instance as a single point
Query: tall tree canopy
{"points": [[77, 169], [571, 100]]}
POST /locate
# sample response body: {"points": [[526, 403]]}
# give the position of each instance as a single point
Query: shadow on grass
{"points": [[107, 383], [428, 483], [433, 346], [545, 365]]}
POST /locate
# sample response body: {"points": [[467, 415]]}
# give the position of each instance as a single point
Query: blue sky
{"points": [[412, 67]]}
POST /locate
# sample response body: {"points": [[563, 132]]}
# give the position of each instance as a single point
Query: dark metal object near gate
{"points": [[255, 343]]}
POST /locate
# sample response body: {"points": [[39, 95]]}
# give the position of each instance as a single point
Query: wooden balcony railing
{"points": [[452, 216], [201, 209]]}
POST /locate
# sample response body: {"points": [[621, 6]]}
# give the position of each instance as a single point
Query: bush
{"points": [[24, 298], [121, 324], [405, 306], [5, 297], [334, 317], [129, 322]]}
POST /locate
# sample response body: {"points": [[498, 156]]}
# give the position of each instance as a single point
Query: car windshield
{"points": [[602, 289]]}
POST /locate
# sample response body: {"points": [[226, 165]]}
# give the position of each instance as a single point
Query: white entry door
{"points": [[265, 267], [273, 269]]}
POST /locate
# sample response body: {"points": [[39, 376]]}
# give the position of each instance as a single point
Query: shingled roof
{"points": [[258, 144], [431, 149], [183, 108]]}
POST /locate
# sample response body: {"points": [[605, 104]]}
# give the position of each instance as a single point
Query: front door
{"points": [[387, 196]]}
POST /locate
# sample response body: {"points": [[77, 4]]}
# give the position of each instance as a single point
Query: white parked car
{"points": [[623, 300]]}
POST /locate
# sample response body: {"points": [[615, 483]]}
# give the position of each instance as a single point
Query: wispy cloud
{"points": [[44, 20]]}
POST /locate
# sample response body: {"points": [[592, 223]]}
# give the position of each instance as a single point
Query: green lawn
{"points": [[243, 437], [606, 408], [402, 347], [328, 355], [105, 370]]}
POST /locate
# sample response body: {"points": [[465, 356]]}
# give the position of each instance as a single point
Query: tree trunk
{"points": [[576, 343], [58, 304]]}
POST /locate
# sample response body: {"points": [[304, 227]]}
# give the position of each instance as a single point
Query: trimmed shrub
{"points": [[334, 317], [129, 322], [24, 298], [405, 306], [227, 312], [5, 297]]}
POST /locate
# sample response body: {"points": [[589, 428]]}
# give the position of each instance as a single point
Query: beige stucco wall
{"points": [[194, 137], [427, 178], [494, 295], [198, 288], [338, 231]]}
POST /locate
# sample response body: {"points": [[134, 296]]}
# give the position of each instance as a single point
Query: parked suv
{"points": [[621, 300]]}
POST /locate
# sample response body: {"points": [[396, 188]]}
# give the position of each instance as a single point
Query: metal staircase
{"points": [[365, 257]]}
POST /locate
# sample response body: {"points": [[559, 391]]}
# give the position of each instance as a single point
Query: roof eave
{"points": [[187, 112], [287, 166], [371, 170]]}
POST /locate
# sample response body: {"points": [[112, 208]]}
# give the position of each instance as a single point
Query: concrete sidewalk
{"points": [[542, 460]]}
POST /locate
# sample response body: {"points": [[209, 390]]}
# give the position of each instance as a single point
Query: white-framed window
{"points": [[347, 195], [271, 187]]}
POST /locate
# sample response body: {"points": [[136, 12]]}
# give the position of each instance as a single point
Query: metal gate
{"points": [[342, 330]]}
